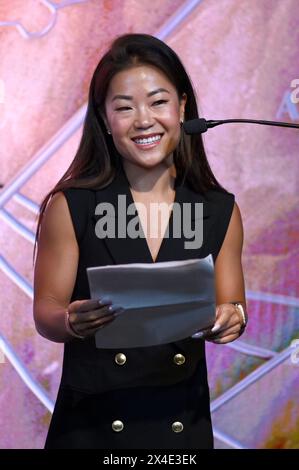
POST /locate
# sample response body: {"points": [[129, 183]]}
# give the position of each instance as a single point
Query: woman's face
{"points": [[143, 113]]}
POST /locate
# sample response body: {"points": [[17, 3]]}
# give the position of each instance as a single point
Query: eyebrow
{"points": [[128, 97]]}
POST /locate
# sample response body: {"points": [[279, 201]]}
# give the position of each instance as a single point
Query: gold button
{"points": [[177, 426], [120, 359], [117, 425], [179, 359]]}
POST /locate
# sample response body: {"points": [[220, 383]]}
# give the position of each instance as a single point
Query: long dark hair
{"points": [[96, 160]]}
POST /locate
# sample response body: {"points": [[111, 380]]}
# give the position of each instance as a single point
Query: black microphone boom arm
{"points": [[199, 126]]}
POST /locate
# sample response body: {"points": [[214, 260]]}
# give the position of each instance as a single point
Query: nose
{"points": [[143, 118]]}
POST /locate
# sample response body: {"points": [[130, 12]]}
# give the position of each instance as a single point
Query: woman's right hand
{"points": [[85, 317]]}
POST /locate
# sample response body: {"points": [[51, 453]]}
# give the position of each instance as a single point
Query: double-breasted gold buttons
{"points": [[177, 426], [117, 425], [179, 359], [120, 359]]}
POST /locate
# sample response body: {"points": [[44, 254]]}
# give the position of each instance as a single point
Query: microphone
{"points": [[199, 126]]}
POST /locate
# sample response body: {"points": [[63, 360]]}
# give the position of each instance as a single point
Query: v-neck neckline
{"points": [[167, 229], [123, 249]]}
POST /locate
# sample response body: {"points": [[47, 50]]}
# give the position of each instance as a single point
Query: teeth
{"points": [[148, 141]]}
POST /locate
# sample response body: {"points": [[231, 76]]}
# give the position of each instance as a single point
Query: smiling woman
{"points": [[133, 146], [150, 118], [143, 112]]}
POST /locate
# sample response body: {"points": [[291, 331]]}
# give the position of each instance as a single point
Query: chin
{"points": [[146, 161], [150, 162]]}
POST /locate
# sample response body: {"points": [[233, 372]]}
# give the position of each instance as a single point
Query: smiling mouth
{"points": [[147, 142]]}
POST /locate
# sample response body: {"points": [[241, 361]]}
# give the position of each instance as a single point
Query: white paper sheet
{"points": [[164, 301]]}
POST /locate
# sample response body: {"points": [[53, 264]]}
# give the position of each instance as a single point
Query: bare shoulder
{"points": [[233, 241], [56, 222], [57, 205], [236, 224], [57, 255]]}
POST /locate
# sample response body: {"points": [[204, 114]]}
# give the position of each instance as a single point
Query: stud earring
{"points": [[108, 131]]}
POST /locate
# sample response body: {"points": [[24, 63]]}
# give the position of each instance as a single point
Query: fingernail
{"points": [[105, 301], [216, 327], [114, 308], [199, 334]]}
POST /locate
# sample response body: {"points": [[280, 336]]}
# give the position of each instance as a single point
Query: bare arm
{"points": [[54, 279], [55, 270], [229, 281]]}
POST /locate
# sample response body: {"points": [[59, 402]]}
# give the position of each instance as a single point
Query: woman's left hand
{"points": [[228, 325]]}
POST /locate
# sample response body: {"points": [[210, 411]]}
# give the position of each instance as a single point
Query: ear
{"points": [[103, 116], [183, 101]]}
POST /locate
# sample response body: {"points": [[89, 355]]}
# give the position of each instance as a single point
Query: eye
{"points": [[123, 108], [160, 102]]}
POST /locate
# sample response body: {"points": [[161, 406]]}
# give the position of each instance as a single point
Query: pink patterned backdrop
{"points": [[242, 57]]}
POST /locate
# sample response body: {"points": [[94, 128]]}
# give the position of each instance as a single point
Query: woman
{"points": [[133, 144]]}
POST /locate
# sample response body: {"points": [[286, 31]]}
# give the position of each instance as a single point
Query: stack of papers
{"points": [[163, 301]]}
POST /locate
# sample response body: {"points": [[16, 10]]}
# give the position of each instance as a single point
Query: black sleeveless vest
{"points": [[91, 370]]}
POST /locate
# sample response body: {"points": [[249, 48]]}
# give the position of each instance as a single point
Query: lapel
{"points": [[135, 250]]}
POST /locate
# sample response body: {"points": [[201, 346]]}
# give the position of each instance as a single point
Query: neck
{"points": [[158, 180]]}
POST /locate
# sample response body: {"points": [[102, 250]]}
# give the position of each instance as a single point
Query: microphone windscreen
{"points": [[195, 126]]}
